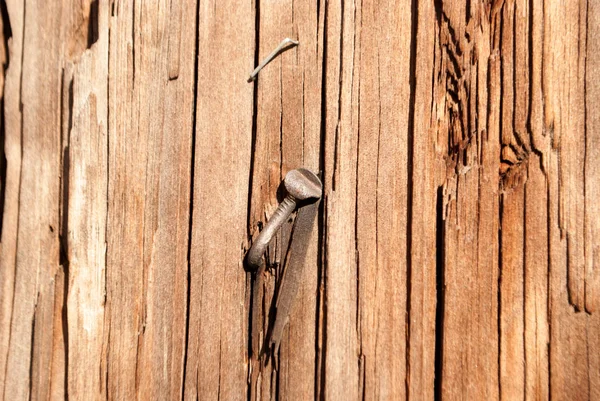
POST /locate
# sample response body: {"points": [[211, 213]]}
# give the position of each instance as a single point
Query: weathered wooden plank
{"points": [[127, 157], [340, 338], [86, 166], [512, 213], [37, 249], [167, 210], [564, 69], [536, 329], [567, 348], [288, 123], [381, 198], [48, 363], [423, 174], [468, 207], [512, 347], [12, 152], [216, 360], [565, 118], [486, 85], [151, 92]]}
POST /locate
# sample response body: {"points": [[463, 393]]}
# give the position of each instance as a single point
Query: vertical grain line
{"points": [[32, 349], [253, 276], [106, 224], [63, 210], [498, 45], [7, 34], [321, 309], [548, 286], [280, 119], [339, 116], [254, 113], [524, 287], [191, 202], [585, 156], [440, 310], [410, 176], [499, 315], [357, 318]]}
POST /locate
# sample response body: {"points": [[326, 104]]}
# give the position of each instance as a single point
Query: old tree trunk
{"points": [[456, 253]]}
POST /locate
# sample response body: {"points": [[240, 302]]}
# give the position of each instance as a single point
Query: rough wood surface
{"points": [[456, 253]]}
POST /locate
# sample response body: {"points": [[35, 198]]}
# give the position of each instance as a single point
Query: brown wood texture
{"points": [[456, 252]]}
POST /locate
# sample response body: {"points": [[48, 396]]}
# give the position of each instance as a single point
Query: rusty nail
{"points": [[301, 184]]}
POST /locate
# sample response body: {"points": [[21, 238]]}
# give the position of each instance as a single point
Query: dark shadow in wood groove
{"points": [[440, 312], [499, 293], [64, 248], [253, 276], [6, 35], [191, 205], [254, 117], [93, 32], [321, 308], [409, 181]]}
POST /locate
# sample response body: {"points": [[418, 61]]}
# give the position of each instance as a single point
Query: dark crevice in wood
{"points": [[251, 305], [319, 326], [32, 349], [65, 327], [548, 286], [440, 312], [192, 171], [530, 82], [277, 373], [7, 29], [133, 28], [357, 317], [92, 34], [585, 156], [6, 35], [524, 290], [337, 139], [64, 179], [63, 217], [317, 30], [499, 293], [410, 176], [107, 317], [512, 38], [321, 308], [467, 13], [64, 224], [280, 121], [254, 116], [362, 372]]}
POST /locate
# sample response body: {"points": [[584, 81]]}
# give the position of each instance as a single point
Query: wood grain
{"points": [[456, 252]]}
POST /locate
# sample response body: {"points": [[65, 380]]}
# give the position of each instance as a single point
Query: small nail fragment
{"points": [[285, 42]]}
